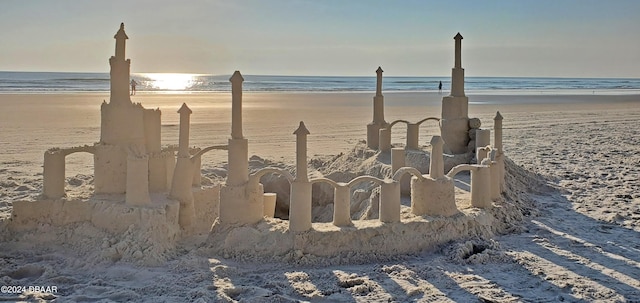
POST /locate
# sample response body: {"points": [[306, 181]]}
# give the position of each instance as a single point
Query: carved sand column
{"points": [[269, 200], [494, 172], [378, 122], [481, 153], [457, 85], [170, 163], [384, 140], [483, 139], [412, 136], [390, 201], [436, 164], [497, 133], [300, 204], [137, 191], [481, 185], [341, 205], [398, 161], [455, 108], [197, 171], [239, 203], [183, 173], [53, 174]]}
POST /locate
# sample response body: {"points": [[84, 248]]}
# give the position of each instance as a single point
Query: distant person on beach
{"points": [[133, 87], [440, 87]]}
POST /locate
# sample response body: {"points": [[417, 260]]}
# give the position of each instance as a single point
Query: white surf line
{"points": [[557, 275], [586, 244], [580, 260]]}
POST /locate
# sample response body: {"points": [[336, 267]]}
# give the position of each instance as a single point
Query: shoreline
{"points": [[445, 92], [564, 96]]}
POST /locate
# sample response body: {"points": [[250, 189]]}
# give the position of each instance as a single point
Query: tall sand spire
{"points": [[455, 107], [120, 69]]}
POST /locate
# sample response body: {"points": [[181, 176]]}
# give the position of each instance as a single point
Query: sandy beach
{"points": [[576, 158]]}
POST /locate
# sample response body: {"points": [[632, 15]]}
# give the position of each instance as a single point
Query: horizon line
{"points": [[346, 76]]}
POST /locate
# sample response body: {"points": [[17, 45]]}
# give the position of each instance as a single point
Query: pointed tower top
{"points": [[236, 77], [498, 116], [302, 130], [121, 34], [184, 109], [379, 70], [458, 37]]}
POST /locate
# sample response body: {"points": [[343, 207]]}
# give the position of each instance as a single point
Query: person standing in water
{"points": [[440, 87], [133, 87]]}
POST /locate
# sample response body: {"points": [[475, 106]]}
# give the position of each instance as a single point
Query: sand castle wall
{"points": [[365, 240], [113, 217]]}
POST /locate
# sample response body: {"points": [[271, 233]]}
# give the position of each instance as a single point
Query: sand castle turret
{"points": [[434, 194], [240, 201], [455, 108], [300, 211], [378, 122], [183, 172], [183, 137], [238, 145]]}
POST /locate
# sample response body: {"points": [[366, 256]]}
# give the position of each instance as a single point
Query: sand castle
{"points": [[141, 186]]}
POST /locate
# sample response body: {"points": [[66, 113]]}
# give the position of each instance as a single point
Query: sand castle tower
{"points": [[373, 128], [455, 108], [129, 133], [240, 202]]}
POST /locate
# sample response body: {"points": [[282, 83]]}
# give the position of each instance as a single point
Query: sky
{"points": [[510, 38]]}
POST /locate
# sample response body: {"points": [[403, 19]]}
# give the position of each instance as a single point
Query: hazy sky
{"points": [[560, 38]]}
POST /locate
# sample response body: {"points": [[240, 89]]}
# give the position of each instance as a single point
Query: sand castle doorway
{"points": [[54, 178]]}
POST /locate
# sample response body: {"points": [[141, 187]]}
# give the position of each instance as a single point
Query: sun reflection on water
{"points": [[168, 81]]}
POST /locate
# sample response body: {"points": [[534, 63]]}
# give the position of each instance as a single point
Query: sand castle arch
{"points": [[379, 131], [412, 138]]}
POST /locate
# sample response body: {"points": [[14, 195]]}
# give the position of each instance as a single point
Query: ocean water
{"points": [[51, 82]]}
